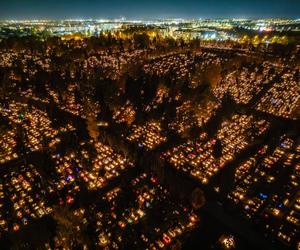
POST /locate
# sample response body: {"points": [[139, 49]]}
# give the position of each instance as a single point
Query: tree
{"points": [[69, 227], [141, 41]]}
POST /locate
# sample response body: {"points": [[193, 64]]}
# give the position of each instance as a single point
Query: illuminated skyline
{"points": [[30, 9]]}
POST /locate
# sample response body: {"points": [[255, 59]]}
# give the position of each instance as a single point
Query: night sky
{"points": [[56, 9]]}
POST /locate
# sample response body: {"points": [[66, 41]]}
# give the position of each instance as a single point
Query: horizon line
{"points": [[125, 19]]}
